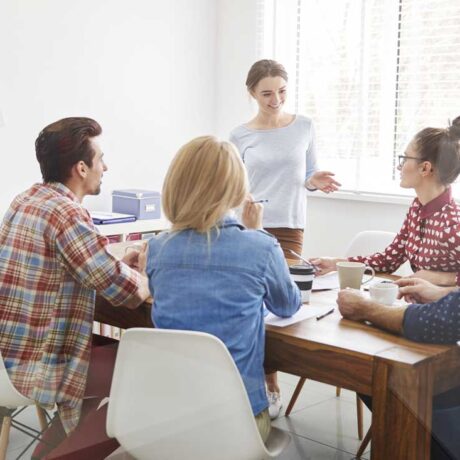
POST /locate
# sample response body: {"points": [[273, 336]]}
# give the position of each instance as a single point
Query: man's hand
{"points": [[416, 290], [352, 305], [252, 214], [322, 180], [136, 257], [324, 265]]}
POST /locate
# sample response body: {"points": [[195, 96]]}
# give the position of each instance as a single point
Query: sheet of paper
{"points": [[305, 312], [331, 281]]}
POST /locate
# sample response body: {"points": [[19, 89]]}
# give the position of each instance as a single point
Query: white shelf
{"points": [[138, 226]]}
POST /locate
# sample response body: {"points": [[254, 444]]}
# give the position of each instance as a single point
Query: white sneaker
{"points": [[275, 404]]}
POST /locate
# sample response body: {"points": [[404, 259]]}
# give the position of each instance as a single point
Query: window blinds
{"points": [[370, 74]]}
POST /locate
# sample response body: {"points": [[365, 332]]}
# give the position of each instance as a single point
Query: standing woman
{"points": [[278, 150]]}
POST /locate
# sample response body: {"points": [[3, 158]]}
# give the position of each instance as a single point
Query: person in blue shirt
{"points": [[432, 317], [211, 273]]}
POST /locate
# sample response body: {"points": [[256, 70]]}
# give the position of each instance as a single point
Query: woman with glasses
{"points": [[430, 235]]}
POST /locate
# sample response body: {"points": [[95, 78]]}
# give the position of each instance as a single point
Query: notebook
{"points": [[100, 218]]}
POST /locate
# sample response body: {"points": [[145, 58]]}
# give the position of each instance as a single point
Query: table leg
{"points": [[402, 411]]}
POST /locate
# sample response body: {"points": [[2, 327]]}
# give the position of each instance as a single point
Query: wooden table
{"points": [[401, 376]]}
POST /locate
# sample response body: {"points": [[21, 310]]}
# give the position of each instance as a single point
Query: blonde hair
{"points": [[205, 180]]}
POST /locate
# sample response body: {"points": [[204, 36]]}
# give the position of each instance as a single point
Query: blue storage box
{"points": [[144, 204]]}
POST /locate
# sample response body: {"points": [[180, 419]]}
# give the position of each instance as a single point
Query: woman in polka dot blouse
{"points": [[430, 235]]}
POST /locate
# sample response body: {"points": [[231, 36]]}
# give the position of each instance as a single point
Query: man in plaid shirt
{"points": [[52, 263]]}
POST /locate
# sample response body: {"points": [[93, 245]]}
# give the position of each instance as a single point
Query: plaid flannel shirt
{"points": [[52, 262]]}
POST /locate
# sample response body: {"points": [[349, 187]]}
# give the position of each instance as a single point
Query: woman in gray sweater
{"points": [[278, 149]]}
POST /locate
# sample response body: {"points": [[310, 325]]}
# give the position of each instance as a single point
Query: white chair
{"points": [[10, 401], [179, 395], [370, 241]]}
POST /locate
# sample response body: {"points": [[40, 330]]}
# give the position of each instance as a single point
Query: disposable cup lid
{"points": [[301, 270]]}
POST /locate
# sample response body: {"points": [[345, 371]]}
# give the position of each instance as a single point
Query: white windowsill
{"points": [[364, 196]]}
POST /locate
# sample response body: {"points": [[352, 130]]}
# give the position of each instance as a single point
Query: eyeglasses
{"points": [[402, 159]]}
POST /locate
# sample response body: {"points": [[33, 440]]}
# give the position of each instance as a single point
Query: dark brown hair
{"points": [[441, 147], [262, 69], [64, 143]]}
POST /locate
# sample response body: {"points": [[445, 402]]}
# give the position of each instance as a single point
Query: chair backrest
{"points": [[179, 395], [9, 396], [370, 241]]}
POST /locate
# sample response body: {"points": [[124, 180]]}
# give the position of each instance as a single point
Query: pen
{"points": [[324, 315], [303, 260], [259, 201]]}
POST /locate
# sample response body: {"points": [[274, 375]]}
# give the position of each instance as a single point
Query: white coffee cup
{"points": [[351, 274], [385, 292]]}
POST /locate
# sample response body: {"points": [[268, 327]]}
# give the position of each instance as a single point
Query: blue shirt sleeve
{"points": [[436, 322], [282, 296]]}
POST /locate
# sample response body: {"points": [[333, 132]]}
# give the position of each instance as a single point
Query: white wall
{"points": [[237, 51], [332, 223], [144, 69]]}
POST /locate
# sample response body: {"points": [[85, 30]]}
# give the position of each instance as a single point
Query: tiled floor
{"points": [[18, 441], [322, 426]]}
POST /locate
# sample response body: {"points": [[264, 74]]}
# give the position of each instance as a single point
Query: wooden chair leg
{"points": [[338, 390], [295, 395], [41, 417], [4, 436], [365, 443], [359, 414]]}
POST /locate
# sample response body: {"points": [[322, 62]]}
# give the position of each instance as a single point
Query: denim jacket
{"points": [[219, 287]]}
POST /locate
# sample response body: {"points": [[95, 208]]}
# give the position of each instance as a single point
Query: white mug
{"points": [[351, 274], [385, 292]]}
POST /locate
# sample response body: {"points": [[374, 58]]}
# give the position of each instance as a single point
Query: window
{"points": [[370, 73]]}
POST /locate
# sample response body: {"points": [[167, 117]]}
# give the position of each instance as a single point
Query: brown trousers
{"points": [[89, 439], [288, 238]]}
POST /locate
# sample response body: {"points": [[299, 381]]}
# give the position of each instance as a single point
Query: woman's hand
{"points": [[322, 180], [324, 265], [416, 290], [438, 278], [252, 214]]}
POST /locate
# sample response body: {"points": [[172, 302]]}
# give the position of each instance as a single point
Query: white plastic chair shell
{"points": [[178, 395], [9, 396], [11, 399], [370, 241]]}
